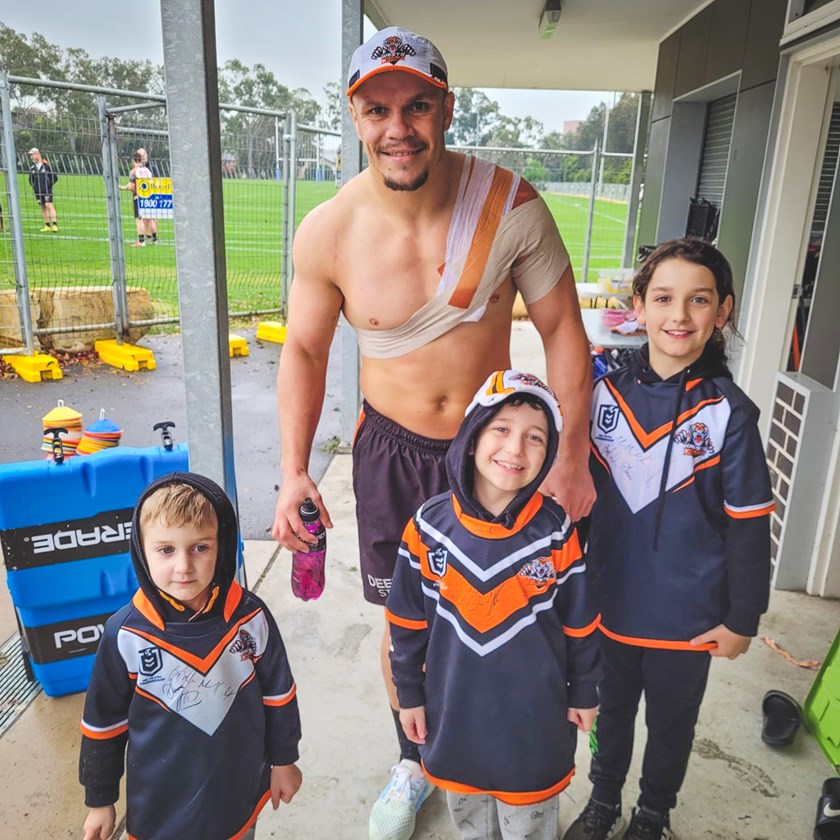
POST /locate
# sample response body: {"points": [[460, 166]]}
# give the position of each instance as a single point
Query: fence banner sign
{"points": [[154, 198]]}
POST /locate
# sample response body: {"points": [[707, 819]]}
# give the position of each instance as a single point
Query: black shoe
{"points": [[596, 822], [827, 826], [648, 825]]}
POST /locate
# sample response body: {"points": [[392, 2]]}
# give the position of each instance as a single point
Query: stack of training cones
{"points": [[103, 434], [62, 417]]}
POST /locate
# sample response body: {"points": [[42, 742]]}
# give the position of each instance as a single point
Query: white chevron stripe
{"points": [[505, 563]]}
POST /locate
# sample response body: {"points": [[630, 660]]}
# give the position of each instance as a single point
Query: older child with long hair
{"points": [[680, 538]]}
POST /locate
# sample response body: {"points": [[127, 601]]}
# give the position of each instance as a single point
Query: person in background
{"points": [[42, 178], [138, 171], [151, 224]]}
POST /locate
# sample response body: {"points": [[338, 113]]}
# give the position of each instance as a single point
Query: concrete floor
{"points": [[736, 789]]}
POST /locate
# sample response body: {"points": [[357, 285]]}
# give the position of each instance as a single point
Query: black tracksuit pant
{"points": [[673, 682]]}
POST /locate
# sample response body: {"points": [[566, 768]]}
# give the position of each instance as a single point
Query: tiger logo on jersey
{"points": [[245, 645], [696, 439], [540, 570]]}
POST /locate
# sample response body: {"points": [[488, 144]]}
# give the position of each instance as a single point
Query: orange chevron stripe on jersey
{"points": [[647, 439], [582, 632], [408, 623], [484, 611], [202, 664], [509, 798], [232, 600], [659, 644], [493, 530], [103, 733], [483, 238], [749, 512], [281, 699]]}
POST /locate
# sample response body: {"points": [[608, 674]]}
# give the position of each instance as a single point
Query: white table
{"points": [[602, 336]]}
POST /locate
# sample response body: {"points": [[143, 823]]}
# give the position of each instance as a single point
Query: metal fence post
{"points": [[111, 174], [639, 148], [293, 167], [287, 212], [593, 191], [351, 164], [9, 160]]}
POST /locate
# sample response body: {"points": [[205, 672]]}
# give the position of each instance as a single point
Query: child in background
{"points": [[144, 228], [193, 675], [680, 537], [490, 595]]}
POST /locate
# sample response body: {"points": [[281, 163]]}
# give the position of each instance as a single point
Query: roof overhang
{"points": [[597, 44]]}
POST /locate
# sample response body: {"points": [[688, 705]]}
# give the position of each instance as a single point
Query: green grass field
{"points": [[79, 255]]}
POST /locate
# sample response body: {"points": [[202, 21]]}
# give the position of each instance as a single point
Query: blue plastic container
{"points": [[65, 531]]}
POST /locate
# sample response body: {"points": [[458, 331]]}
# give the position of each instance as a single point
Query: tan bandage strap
{"points": [[489, 241]]}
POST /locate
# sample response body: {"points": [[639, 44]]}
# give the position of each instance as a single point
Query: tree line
{"points": [[66, 121]]}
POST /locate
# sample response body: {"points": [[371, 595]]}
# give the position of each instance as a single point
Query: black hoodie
{"points": [[207, 705], [680, 537], [498, 610]]}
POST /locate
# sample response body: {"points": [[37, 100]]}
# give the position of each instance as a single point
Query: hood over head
{"points": [[169, 608], [501, 387]]}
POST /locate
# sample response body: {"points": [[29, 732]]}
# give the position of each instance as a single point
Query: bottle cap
{"points": [[309, 511]]}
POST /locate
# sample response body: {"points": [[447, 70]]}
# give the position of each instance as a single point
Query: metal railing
{"points": [[91, 277]]}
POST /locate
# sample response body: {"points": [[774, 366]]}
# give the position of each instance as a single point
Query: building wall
{"points": [[730, 45]]}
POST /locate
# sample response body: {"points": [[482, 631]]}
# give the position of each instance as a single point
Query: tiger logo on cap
{"points": [[393, 50]]}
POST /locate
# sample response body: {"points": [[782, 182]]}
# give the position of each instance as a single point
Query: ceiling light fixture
{"points": [[549, 17]]}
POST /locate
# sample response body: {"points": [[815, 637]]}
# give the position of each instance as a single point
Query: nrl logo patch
{"points": [[438, 561], [150, 661], [393, 50], [607, 418]]}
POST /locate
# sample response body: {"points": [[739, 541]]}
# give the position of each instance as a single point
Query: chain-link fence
{"points": [[588, 194], [93, 266]]}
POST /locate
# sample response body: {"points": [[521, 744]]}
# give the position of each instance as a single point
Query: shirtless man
{"points": [[423, 252]]}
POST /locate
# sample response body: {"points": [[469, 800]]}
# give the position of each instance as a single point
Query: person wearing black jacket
{"points": [[680, 536], [42, 177]]}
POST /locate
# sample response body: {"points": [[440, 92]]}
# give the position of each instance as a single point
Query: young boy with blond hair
{"points": [[192, 675]]}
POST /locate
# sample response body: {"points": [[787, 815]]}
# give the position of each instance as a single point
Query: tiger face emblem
{"points": [[540, 570], [393, 50], [696, 440]]}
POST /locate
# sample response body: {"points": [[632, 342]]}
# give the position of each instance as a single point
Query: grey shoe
{"points": [[596, 822]]}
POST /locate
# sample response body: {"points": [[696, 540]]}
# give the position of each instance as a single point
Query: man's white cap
{"points": [[33, 151], [504, 384], [397, 49]]}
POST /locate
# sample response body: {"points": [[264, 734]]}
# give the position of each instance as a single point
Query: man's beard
{"points": [[418, 182]]}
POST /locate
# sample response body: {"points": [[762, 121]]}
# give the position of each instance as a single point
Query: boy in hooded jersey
{"points": [[193, 675], [493, 653]]}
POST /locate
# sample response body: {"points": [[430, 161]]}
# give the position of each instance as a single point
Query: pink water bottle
{"points": [[308, 566]]}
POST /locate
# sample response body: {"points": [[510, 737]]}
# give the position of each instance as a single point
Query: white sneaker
{"points": [[394, 813]]}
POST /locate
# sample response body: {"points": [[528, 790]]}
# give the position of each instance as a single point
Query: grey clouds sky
{"points": [[300, 43]]}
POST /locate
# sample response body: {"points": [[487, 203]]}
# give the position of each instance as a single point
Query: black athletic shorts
{"points": [[394, 472], [44, 198]]}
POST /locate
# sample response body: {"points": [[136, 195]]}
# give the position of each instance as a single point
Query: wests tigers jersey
{"points": [[205, 703], [501, 619], [680, 538]]}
